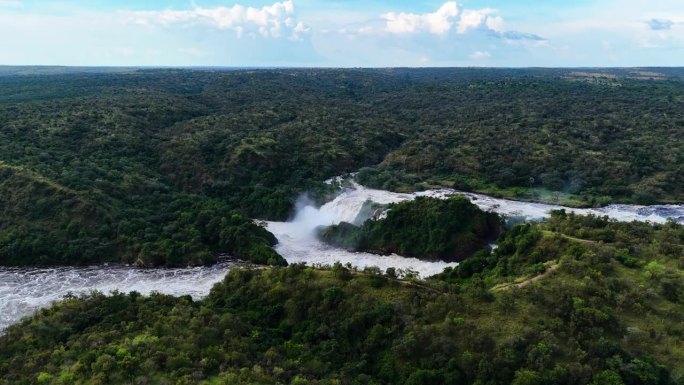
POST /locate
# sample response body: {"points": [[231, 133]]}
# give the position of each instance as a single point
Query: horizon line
{"points": [[320, 67]]}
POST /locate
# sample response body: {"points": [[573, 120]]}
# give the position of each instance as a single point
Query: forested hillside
{"points": [[574, 300], [166, 167]]}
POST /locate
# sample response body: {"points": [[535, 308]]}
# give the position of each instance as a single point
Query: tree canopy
{"points": [[425, 228], [153, 165], [609, 312]]}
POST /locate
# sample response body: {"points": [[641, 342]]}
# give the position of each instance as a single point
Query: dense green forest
{"points": [[426, 228], [168, 167], [573, 300]]}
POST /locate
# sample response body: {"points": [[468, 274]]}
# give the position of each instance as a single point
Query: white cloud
{"points": [[298, 30], [334, 33], [495, 23], [271, 21], [471, 19], [443, 21], [438, 23], [479, 55]]}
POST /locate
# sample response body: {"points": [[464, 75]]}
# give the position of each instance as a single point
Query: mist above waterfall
{"points": [[308, 217], [24, 290], [298, 241], [351, 205]]}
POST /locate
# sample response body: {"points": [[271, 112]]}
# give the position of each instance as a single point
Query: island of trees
{"points": [[427, 228]]}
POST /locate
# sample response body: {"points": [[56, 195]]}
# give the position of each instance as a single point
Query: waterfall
{"points": [[298, 242], [23, 290]]}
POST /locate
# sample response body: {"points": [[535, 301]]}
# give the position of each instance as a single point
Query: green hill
{"points": [[44, 222]]}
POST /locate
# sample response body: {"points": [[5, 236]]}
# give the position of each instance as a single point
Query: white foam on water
{"points": [[298, 241], [536, 211], [23, 290], [298, 246], [346, 206]]}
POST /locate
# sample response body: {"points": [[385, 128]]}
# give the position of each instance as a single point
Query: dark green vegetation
{"points": [[166, 166], [532, 136], [610, 311], [426, 228], [44, 222]]}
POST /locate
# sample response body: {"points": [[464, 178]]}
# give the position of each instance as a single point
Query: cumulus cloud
{"points": [[660, 24], [448, 17], [476, 18], [271, 21], [438, 23], [495, 23], [452, 17]]}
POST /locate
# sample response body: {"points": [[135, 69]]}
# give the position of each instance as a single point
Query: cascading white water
{"points": [[23, 290], [536, 211], [298, 242], [348, 204]]}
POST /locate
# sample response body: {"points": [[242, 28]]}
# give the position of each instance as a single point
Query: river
{"points": [[23, 290], [297, 241]]}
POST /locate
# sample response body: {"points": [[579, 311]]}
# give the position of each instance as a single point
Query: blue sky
{"points": [[501, 33]]}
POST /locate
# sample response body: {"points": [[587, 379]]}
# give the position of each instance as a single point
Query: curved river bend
{"points": [[23, 290]]}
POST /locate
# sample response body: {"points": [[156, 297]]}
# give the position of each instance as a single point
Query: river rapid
{"points": [[298, 243], [23, 290]]}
